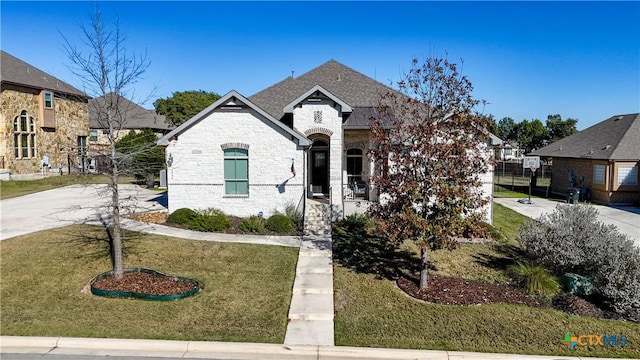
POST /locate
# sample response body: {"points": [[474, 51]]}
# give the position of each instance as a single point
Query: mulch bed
{"points": [[160, 217], [456, 291], [144, 283]]}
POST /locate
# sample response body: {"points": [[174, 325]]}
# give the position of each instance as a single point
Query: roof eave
{"points": [[289, 107], [164, 141]]}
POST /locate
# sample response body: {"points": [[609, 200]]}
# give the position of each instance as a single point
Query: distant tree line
{"points": [[533, 134]]}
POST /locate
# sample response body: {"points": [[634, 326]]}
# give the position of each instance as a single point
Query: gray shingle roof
{"points": [[617, 138], [136, 117], [352, 87], [18, 72]]}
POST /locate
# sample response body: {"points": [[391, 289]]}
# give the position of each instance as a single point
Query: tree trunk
{"points": [[118, 264], [425, 266]]}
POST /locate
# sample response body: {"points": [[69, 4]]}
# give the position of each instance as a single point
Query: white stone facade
{"points": [[323, 120], [196, 176]]}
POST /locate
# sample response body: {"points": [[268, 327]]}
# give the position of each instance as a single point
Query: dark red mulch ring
{"points": [[144, 283], [456, 291]]}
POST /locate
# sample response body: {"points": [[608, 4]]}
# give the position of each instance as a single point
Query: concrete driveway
{"points": [[625, 218], [70, 205]]}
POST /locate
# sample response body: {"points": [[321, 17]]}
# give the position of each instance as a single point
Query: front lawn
{"points": [[246, 296], [13, 188], [372, 311]]}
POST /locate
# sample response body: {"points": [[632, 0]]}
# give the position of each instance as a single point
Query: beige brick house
{"points": [[602, 160], [41, 118]]}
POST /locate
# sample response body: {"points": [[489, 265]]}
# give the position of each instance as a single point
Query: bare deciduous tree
{"points": [[108, 72], [428, 147]]}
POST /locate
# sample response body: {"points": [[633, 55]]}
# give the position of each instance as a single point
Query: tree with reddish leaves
{"points": [[428, 145]]}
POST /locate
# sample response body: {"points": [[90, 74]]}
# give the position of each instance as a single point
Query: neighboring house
{"points": [[42, 118], [603, 159], [509, 151], [303, 137], [126, 116]]}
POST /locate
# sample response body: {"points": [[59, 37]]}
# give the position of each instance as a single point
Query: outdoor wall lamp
{"points": [[169, 160]]}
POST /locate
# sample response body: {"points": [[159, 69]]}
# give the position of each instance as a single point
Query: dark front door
{"points": [[320, 170]]}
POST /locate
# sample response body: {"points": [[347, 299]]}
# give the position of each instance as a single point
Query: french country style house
{"points": [[303, 138], [43, 121]]}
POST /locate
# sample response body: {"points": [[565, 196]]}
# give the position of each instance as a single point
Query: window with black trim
{"points": [[354, 165], [236, 171], [24, 136]]}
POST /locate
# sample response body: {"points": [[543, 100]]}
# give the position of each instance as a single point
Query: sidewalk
{"points": [[626, 219], [228, 350]]}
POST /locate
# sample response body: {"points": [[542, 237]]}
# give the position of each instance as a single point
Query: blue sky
{"points": [[527, 59]]}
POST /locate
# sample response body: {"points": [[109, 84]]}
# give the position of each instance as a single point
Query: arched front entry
{"points": [[319, 169]]}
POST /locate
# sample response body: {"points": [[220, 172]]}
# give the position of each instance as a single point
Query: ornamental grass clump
{"points": [[253, 224], [536, 279], [570, 240]]}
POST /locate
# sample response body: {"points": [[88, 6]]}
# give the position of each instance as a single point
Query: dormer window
{"points": [[48, 100]]}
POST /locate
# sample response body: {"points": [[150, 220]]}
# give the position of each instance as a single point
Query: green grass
{"points": [[246, 296], [13, 188], [500, 191], [372, 311]]}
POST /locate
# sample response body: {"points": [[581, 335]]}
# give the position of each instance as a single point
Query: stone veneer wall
{"points": [[71, 118], [196, 176], [305, 121]]}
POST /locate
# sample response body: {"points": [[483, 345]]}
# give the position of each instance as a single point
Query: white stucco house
{"points": [[304, 137]]}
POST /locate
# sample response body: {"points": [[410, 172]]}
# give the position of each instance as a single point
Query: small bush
{"points": [[536, 279], [182, 216], [253, 224], [280, 224], [358, 222], [209, 220], [571, 240], [210, 223]]}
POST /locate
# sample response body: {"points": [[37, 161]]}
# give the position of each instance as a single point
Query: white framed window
{"points": [[93, 135], [598, 174], [48, 100], [24, 136], [627, 175], [236, 171]]}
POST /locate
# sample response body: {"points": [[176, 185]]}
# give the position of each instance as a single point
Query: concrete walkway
{"points": [[311, 310], [625, 218]]}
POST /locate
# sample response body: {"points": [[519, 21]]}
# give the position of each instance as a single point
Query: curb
{"points": [[206, 349]]}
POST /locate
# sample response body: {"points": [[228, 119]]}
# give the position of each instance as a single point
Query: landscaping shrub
{"points": [[570, 240], [280, 224], [182, 216], [253, 224], [292, 213], [358, 222], [536, 279], [211, 221]]}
